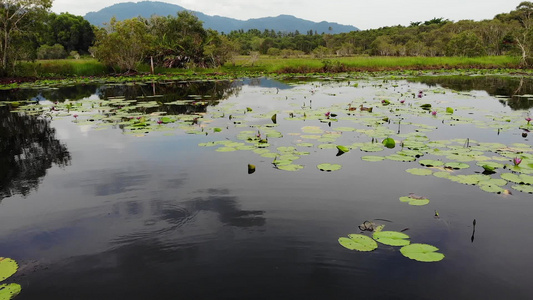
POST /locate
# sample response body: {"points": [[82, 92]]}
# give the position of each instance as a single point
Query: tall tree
{"points": [[16, 20]]}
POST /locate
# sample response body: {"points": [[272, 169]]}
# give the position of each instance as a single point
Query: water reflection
{"points": [[28, 148], [509, 87]]}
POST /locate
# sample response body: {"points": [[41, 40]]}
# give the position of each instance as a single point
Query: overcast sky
{"points": [[364, 14]]}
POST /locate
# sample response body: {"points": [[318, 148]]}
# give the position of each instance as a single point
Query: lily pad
{"points": [[389, 143], [8, 267], [422, 252], [343, 149], [329, 167], [431, 163], [9, 291], [456, 165], [391, 238], [358, 242], [372, 158], [414, 201], [523, 188], [290, 167]]}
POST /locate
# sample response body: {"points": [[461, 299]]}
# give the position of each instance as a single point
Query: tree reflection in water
{"points": [[28, 147]]}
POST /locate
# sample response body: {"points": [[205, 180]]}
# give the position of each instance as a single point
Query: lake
{"points": [[236, 189]]}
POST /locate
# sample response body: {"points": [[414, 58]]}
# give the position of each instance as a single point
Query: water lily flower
{"points": [[159, 122], [434, 112], [402, 101], [327, 114], [75, 116], [528, 119], [517, 161]]}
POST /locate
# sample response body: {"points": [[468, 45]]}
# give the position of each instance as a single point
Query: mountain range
{"points": [[283, 23]]}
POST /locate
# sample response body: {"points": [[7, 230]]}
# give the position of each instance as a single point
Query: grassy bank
{"points": [[265, 64], [372, 63]]}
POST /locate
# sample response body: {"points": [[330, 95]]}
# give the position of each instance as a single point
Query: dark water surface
{"points": [[92, 212]]}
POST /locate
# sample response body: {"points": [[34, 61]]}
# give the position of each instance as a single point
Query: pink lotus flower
{"points": [[434, 112], [75, 116], [159, 122], [402, 101], [517, 161], [327, 114], [528, 119]]}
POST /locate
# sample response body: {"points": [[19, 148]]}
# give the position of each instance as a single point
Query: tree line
{"points": [[28, 31]]}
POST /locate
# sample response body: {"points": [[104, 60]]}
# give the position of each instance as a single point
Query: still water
{"points": [[93, 208]]}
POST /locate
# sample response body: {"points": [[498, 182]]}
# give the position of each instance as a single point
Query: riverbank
{"points": [[89, 69]]}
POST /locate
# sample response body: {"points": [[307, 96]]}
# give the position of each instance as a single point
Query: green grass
{"points": [[61, 68], [369, 63], [244, 65]]}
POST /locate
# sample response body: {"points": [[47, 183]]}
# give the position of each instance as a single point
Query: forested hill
{"points": [[283, 23]]}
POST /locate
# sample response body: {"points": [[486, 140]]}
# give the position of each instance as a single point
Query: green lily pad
{"points": [[523, 188], [9, 291], [343, 149], [290, 167], [442, 174], [512, 177], [419, 171], [8, 267], [414, 201], [389, 143], [372, 158], [491, 188], [391, 238], [358, 242], [456, 165], [431, 163], [371, 148], [329, 167], [226, 149], [399, 157], [422, 252]]}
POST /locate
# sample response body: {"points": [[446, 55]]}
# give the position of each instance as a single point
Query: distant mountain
{"points": [[284, 23]]}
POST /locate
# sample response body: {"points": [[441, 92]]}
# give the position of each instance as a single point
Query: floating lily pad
{"points": [[414, 201], [512, 177], [290, 167], [456, 165], [422, 252], [389, 143], [442, 174], [343, 149], [9, 291], [329, 167], [8, 267], [419, 171], [491, 188], [523, 188], [371, 148], [431, 163], [398, 157], [372, 158], [358, 242], [391, 238]]}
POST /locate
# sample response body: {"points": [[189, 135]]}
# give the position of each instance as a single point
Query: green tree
{"points": [[123, 45], [466, 43], [178, 40], [17, 21], [74, 33]]}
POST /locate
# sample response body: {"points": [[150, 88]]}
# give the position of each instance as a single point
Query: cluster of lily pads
{"points": [[384, 123], [8, 267], [415, 251]]}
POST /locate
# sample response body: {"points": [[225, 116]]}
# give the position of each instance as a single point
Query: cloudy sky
{"points": [[364, 14]]}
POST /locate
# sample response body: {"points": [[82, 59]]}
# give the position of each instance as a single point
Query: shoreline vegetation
{"points": [[250, 66]]}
